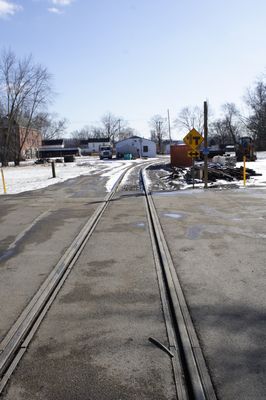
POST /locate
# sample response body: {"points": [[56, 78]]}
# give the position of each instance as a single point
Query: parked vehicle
{"points": [[245, 147], [230, 151], [105, 152]]}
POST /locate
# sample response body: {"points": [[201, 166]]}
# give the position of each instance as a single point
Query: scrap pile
{"points": [[227, 173], [216, 172]]}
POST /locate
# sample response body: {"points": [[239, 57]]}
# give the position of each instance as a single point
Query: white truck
{"points": [[105, 151]]}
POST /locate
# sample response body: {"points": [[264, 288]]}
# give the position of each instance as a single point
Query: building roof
{"points": [[53, 142], [95, 140], [134, 137]]}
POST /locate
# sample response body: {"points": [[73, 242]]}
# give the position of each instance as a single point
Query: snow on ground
{"points": [[115, 173], [258, 166], [29, 176], [162, 179], [147, 179]]}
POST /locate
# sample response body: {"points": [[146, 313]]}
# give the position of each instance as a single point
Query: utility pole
{"points": [[158, 129], [169, 126], [205, 145]]}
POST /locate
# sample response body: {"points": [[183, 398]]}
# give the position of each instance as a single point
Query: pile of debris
{"points": [[228, 161], [227, 173], [216, 171]]}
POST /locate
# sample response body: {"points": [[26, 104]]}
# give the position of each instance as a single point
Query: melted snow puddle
{"points": [[194, 232], [173, 215], [184, 191], [140, 224]]}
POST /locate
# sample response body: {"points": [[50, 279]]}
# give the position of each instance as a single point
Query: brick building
{"points": [[21, 143]]}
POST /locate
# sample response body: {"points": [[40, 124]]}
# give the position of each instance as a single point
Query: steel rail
{"points": [[191, 374], [17, 339]]}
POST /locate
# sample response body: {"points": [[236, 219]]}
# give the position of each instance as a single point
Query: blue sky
{"points": [[137, 58]]}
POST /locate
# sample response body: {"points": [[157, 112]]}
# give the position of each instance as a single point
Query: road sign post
{"points": [[193, 172], [193, 139]]}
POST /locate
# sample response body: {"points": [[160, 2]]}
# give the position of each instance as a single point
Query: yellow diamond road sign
{"points": [[193, 153], [193, 139]]}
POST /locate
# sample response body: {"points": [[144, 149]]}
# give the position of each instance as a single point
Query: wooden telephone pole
{"points": [[169, 126]]}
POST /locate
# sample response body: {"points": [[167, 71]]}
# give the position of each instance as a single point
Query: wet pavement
{"points": [[217, 240], [94, 342], [36, 229]]}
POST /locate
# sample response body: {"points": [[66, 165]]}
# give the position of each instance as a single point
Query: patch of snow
{"points": [[32, 177], [148, 182], [260, 167], [115, 173], [29, 176]]}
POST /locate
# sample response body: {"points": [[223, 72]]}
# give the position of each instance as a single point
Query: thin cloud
{"points": [[55, 10], [7, 8], [62, 2]]}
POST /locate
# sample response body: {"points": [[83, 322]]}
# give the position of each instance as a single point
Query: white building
{"points": [[93, 145], [137, 146]]}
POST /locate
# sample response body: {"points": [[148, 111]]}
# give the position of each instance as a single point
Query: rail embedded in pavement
{"points": [[190, 362], [13, 346], [192, 379]]}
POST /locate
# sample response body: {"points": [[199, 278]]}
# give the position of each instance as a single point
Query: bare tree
{"points": [[228, 128], [218, 133], [49, 126], [190, 117], [80, 134], [256, 122], [232, 121], [126, 132], [112, 126], [25, 91], [158, 126], [88, 132]]}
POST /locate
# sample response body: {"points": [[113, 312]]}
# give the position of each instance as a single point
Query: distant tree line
{"points": [[110, 126], [26, 91]]}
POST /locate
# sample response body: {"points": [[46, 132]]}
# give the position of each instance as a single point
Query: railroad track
{"points": [[191, 375], [18, 338], [192, 378]]}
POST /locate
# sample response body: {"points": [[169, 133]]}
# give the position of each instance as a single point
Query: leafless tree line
{"points": [[110, 126], [232, 124], [25, 93]]}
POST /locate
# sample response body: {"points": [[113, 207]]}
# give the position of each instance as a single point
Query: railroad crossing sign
{"points": [[193, 153], [193, 139]]}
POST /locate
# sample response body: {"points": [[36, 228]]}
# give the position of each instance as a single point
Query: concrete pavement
{"points": [[93, 344], [36, 229], [217, 240]]}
